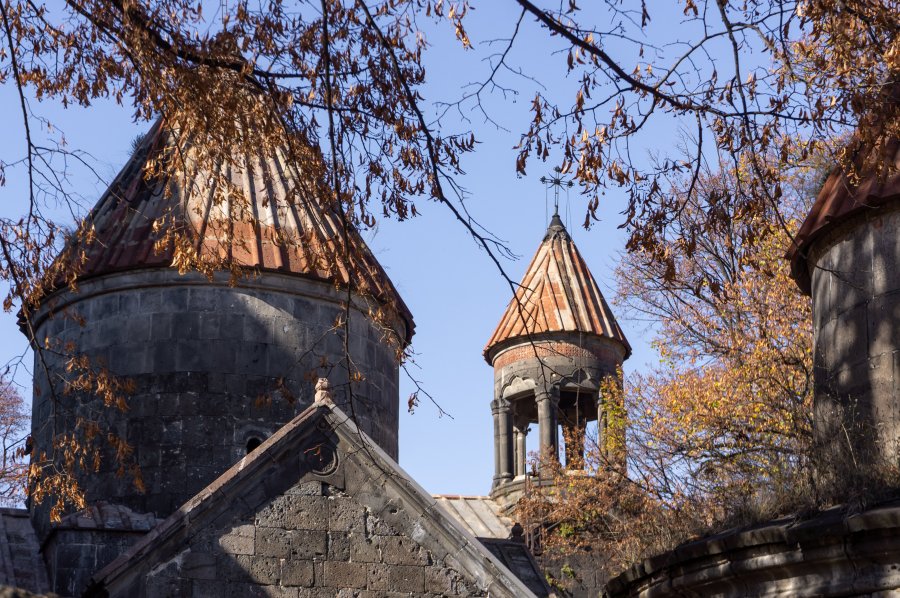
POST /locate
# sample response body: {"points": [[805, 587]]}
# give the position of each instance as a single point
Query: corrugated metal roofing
{"points": [[480, 515], [266, 219], [839, 200], [557, 294]]}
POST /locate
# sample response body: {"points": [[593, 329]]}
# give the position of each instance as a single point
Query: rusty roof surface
{"points": [[268, 221], [480, 515], [557, 294], [839, 200]]}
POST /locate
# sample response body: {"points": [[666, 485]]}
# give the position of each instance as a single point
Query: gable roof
{"points": [[251, 480], [259, 213], [558, 293]]}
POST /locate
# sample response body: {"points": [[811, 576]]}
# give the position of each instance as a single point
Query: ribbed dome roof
{"points": [[265, 219], [557, 294]]}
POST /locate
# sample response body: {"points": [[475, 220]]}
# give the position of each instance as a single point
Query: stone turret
{"points": [[218, 364], [847, 257], [554, 345]]}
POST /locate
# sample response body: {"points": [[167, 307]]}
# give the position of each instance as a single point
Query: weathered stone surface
{"points": [[856, 308], [267, 528], [207, 360], [833, 554]]}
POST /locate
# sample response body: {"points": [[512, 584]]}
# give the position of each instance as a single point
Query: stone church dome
{"points": [[218, 360], [277, 225]]}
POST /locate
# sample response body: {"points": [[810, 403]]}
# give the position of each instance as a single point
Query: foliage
{"points": [[729, 409], [13, 423], [720, 432], [336, 86]]}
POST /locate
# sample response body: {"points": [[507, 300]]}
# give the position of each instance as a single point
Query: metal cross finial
{"points": [[557, 182]]}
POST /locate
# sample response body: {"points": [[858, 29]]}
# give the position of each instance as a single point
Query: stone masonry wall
{"points": [[207, 360], [313, 541], [856, 310], [557, 358]]}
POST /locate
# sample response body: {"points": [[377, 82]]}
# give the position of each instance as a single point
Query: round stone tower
{"points": [[847, 257], [216, 363], [555, 344]]}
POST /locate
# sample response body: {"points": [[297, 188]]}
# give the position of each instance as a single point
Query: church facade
{"points": [[264, 466]]}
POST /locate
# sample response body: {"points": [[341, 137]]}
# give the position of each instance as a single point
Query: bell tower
{"points": [[553, 347]]}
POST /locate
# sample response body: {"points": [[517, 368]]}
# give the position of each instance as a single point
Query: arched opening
{"points": [[252, 444]]}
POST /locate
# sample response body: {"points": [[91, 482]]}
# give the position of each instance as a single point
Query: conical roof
{"points": [[264, 219], [839, 200], [557, 294]]}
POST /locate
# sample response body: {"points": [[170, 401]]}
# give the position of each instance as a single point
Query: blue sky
{"points": [[451, 286]]}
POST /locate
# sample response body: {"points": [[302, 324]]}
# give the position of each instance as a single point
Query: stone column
{"points": [[601, 425], [496, 413], [547, 404], [521, 435], [505, 442]]}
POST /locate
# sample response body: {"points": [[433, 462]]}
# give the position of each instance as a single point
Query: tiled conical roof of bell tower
{"points": [[277, 226], [557, 294]]}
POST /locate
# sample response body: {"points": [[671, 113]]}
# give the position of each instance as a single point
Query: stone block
{"points": [[203, 299], [210, 323], [400, 550], [363, 550], [397, 578], [137, 327], [253, 359], [297, 573], [272, 541], [265, 570], [346, 515], [238, 540], [129, 360], [439, 580], [339, 546], [208, 589], [258, 329], [186, 325], [313, 488], [189, 356], [346, 575], [883, 318], [150, 300], [294, 512], [233, 568], [307, 544], [174, 300], [198, 565]]}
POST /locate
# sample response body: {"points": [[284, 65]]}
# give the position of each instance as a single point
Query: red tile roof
{"points": [[557, 294], [839, 200], [276, 224]]}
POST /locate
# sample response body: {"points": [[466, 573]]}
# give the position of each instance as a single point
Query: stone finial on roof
{"points": [[323, 392]]}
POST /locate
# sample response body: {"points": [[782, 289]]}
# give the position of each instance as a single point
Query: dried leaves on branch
{"points": [[336, 87], [756, 85], [720, 432]]}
